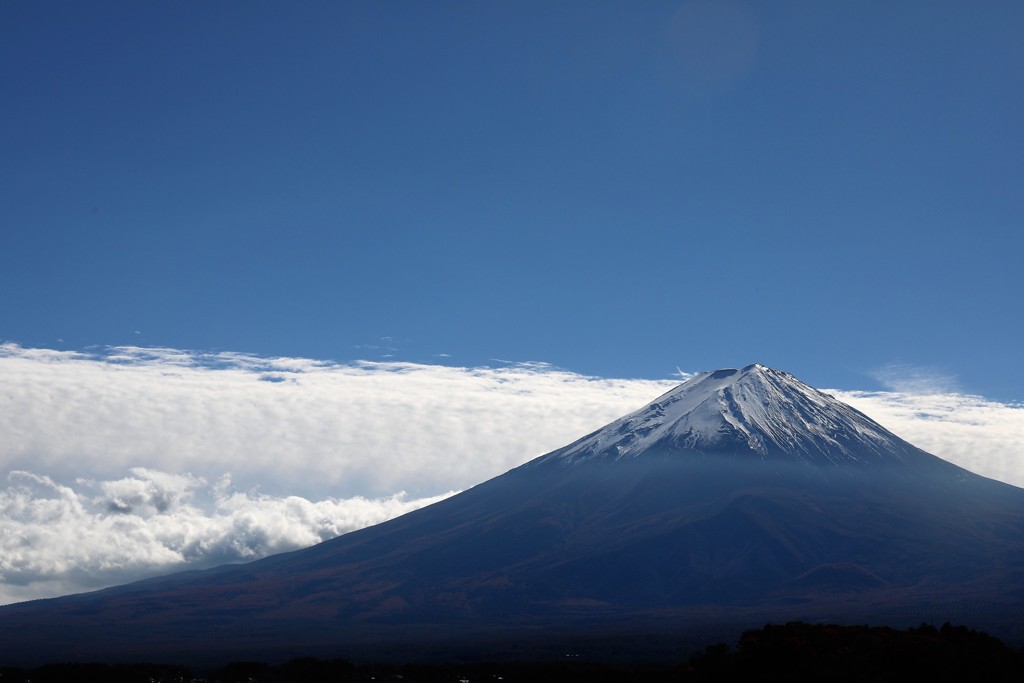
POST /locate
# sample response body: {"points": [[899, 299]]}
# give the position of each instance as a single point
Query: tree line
{"points": [[788, 652]]}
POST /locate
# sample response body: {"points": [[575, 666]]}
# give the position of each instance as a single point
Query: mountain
{"points": [[741, 496], [756, 409]]}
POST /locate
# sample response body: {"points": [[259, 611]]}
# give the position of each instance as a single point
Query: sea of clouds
{"points": [[128, 462]]}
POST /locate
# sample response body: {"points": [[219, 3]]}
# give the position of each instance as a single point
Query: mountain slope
{"points": [[741, 494]]}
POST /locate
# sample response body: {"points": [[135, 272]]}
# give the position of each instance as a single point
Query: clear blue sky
{"points": [[616, 188]]}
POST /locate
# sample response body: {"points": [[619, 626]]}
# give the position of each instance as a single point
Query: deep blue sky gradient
{"points": [[615, 188]]}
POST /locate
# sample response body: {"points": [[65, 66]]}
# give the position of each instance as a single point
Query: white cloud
{"points": [[110, 454], [127, 462], [986, 437], [56, 539], [292, 425]]}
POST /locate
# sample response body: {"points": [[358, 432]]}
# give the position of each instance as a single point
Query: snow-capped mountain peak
{"points": [[758, 409]]}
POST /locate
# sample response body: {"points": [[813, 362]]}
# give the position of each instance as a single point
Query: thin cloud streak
{"points": [[906, 378]]}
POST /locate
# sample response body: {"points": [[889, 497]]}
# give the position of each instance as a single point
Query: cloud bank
{"points": [[292, 426], [127, 462], [986, 437], [57, 539]]}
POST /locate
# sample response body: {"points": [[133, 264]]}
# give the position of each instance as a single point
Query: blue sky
{"points": [[619, 189]]}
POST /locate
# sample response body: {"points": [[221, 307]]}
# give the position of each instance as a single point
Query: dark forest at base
{"points": [[792, 652]]}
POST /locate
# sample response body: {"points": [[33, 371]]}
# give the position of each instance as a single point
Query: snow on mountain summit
{"points": [[757, 409]]}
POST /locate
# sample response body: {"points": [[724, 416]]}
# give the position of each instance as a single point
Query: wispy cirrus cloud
{"points": [[907, 378], [126, 462]]}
